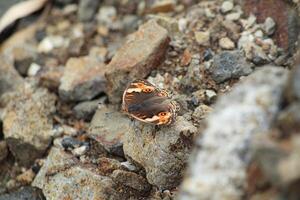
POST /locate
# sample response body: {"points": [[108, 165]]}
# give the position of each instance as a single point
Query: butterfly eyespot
{"points": [[162, 114], [147, 90]]}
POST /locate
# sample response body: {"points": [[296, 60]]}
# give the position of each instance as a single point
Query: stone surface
{"points": [[3, 150], [218, 168], [162, 151], [83, 79], [269, 26], [202, 37], [162, 6], [23, 57], [286, 20], [109, 127], [27, 122], [229, 64], [85, 110], [143, 51], [226, 6], [9, 77], [131, 179], [226, 43], [87, 9], [24, 193], [62, 177]]}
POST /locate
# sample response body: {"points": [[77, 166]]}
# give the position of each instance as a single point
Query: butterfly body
{"points": [[147, 103]]}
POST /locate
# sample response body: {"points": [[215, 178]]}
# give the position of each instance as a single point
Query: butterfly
{"points": [[147, 103]]}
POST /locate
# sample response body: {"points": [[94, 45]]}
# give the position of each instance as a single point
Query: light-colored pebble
{"points": [[202, 37], [226, 6], [226, 43]]}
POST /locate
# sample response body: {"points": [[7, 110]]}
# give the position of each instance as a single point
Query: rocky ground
{"points": [[231, 65]]}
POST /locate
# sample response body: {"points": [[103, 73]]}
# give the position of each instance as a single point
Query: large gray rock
{"points": [[142, 52], [162, 151], [83, 79], [218, 169], [27, 122], [229, 64]]}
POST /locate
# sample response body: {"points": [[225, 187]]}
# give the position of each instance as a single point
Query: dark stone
{"points": [[24, 193]]}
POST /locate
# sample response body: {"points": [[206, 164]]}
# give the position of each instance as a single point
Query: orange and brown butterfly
{"points": [[147, 103]]}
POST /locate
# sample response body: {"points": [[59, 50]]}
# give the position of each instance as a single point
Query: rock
{"points": [[49, 77], [162, 6], [289, 119], [51, 42], [83, 79], [219, 165], [87, 9], [229, 64], [226, 6], [26, 192], [106, 16], [62, 177], [33, 69], [109, 127], [23, 57], [294, 83], [170, 24], [269, 26], [9, 77], [162, 151], [3, 150], [202, 111], [233, 16], [85, 110], [131, 179], [256, 54], [287, 20], [27, 137], [226, 43], [202, 37], [26, 177], [143, 51]]}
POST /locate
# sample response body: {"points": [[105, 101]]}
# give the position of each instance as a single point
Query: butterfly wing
{"points": [[147, 103]]}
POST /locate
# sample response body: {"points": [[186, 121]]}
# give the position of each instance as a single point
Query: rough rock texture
{"points": [[87, 9], [83, 79], [142, 52], [9, 77], [3, 150], [218, 168], [132, 180], [85, 110], [27, 123], [163, 151], [24, 193], [287, 21], [108, 127], [229, 64], [63, 177]]}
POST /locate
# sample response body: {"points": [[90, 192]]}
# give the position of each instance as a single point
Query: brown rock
{"points": [[108, 127], [132, 180], [142, 52], [83, 79], [286, 20]]}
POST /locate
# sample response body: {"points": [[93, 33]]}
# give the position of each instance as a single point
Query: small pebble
{"points": [[226, 6], [80, 150], [269, 26], [233, 16], [210, 95], [202, 37], [128, 165], [33, 69], [226, 43]]}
